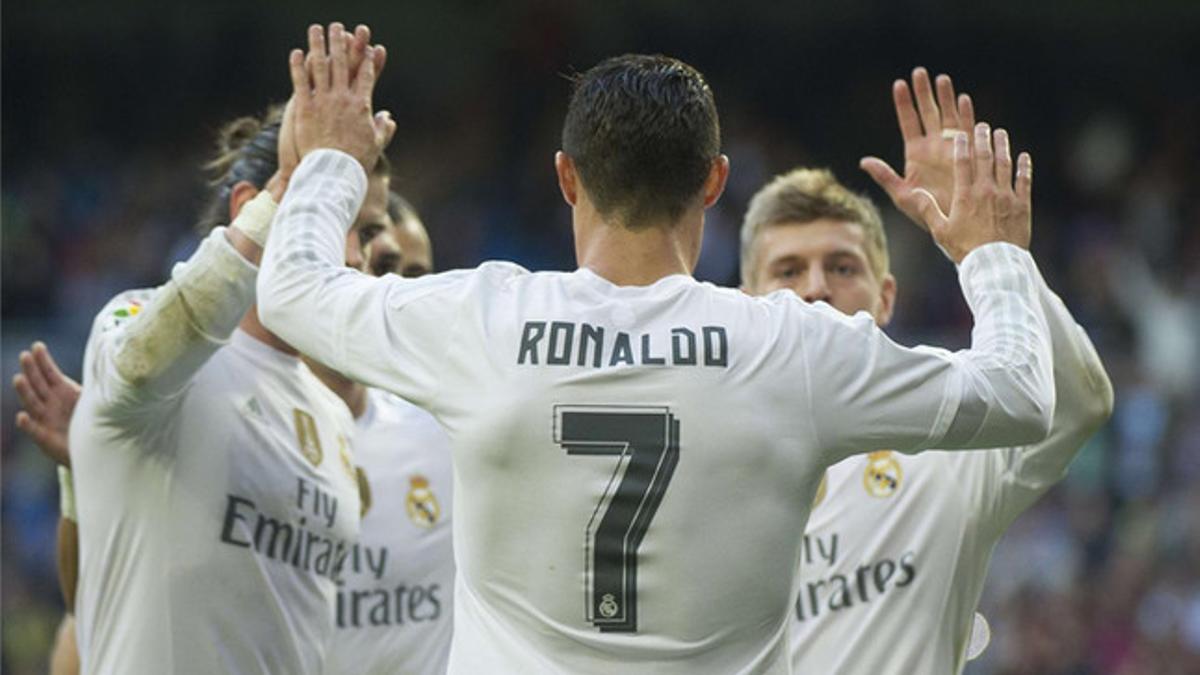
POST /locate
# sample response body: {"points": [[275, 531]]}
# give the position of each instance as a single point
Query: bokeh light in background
{"points": [[109, 109]]}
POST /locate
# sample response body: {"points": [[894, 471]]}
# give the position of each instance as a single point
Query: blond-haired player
{"points": [[897, 548]]}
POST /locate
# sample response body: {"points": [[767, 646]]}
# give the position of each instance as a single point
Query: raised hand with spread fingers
{"points": [[332, 96], [928, 128], [985, 206]]}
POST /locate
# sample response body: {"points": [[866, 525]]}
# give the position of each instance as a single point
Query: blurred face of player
{"points": [[416, 252], [403, 249], [823, 260], [372, 221]]}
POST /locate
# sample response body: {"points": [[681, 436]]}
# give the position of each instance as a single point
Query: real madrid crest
{"points": [[609, 606], [882, 476], [422, 506]]}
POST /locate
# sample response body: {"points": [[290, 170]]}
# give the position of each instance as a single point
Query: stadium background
{"points": [[109, 108]]}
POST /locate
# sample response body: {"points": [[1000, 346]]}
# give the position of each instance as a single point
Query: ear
{"points": [[243, 191], [887, 300], [714, 185], [568, 180]]}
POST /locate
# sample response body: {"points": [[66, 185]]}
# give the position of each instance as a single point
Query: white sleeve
{"points": [[869, 393], [385, 332], [1013, 478], [153, 354]]}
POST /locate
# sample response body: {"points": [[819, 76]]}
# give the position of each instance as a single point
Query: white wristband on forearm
{"points": [[66, 494], [254, 220]]}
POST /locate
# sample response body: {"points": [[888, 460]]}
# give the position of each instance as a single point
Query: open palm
{"points": [[927, 127], [48, 398]]}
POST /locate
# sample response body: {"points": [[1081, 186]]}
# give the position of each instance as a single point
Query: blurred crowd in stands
{"points": [[101, 187]]}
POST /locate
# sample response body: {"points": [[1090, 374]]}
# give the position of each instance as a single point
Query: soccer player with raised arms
{"points": [[216, 491], [393, 608], [636, 453], [897, 547]]}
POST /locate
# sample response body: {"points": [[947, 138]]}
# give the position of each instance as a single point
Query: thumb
{"points": [[882, 174], [927, 207]]}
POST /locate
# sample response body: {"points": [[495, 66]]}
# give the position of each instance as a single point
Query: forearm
{"points": [[68, 539], [1084, 397], [64, 655], [304, 286], [868, 393], [193, 314], [1006, 393]]}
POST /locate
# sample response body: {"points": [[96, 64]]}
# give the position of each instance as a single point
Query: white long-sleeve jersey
{"points": [[897, 548], [214, 484], [395, 609], [633, 466]]}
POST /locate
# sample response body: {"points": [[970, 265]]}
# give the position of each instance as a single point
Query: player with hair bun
{"points": [[214, 476]]}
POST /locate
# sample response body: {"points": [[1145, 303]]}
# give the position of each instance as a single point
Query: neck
{"points": [[254, 328], [640, 257], [353, 393]]}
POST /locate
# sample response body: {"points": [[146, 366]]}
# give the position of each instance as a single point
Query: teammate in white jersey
{"points": [[394, 609], [218, 499], [897, 547], [47, 399], [636, 453]]}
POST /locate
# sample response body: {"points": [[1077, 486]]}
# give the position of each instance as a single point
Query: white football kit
{"points": [[216, 494], [633, 465], [395, 609], [897, 547]]}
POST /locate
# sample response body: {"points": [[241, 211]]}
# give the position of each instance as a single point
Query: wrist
{"points": [[253, 222]]}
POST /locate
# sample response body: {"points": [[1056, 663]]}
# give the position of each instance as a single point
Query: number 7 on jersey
{"points": [[645, 442]]}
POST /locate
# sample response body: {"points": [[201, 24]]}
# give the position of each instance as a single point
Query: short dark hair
{"points": [[247, 150], [642, 131]]}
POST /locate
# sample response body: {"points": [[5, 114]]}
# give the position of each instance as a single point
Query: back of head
{"points": [[803, 196], [247, 149], [642, 132]]}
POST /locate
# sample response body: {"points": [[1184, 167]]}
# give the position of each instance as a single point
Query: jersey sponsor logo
{"points": [[849, 586], [306, 436], [404, 604], [562, 343], [865, 583], [290, 541], [883, 474], [421, 504]]}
